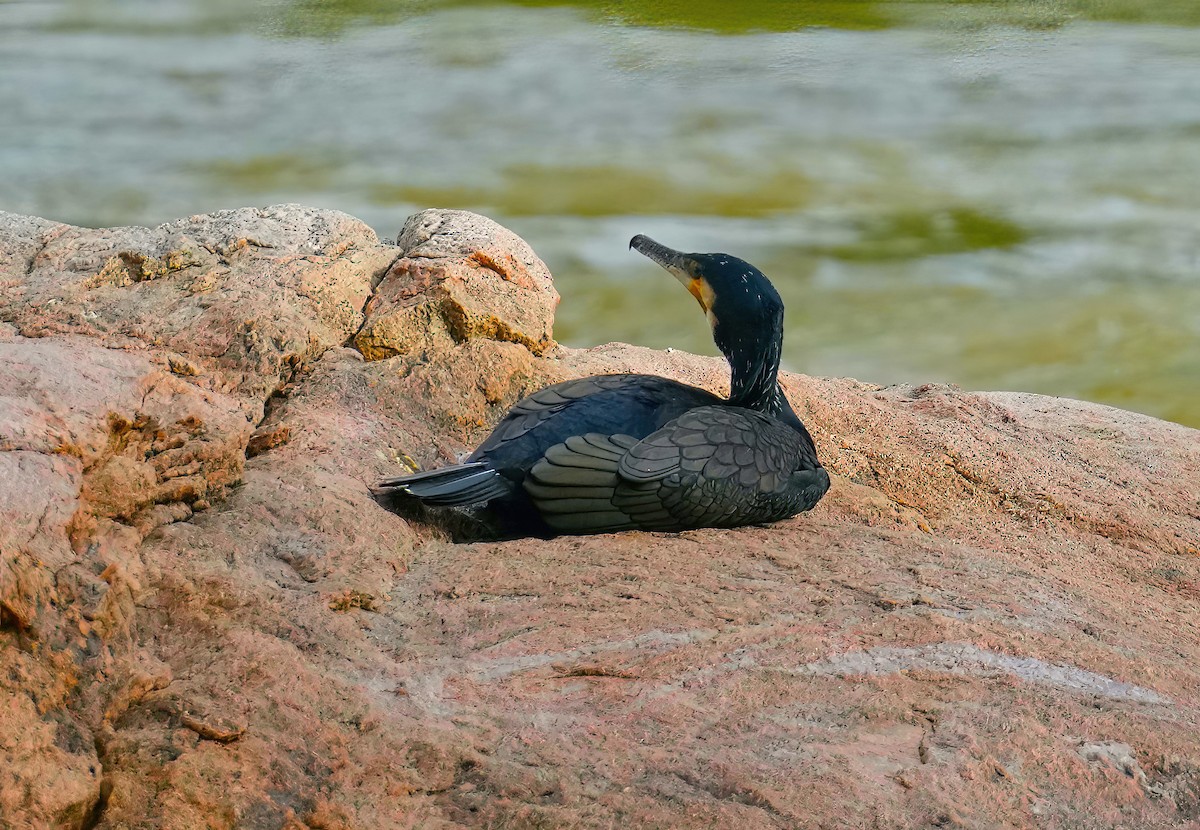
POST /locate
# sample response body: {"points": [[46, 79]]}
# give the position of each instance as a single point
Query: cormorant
{"points": [[614, 452]]}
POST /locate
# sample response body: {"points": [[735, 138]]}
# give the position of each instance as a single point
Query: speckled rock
{"points": [[989, 622], [91, 433], [461, 277], [237, 299]]}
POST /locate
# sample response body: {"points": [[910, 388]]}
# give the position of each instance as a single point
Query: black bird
{"points": [[613, 452]]}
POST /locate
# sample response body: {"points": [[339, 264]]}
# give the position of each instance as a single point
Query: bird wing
{"points": [[528, 413], [573, 483], [718, 466], [712, 466]]}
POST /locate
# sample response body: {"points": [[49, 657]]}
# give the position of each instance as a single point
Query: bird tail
{"points": [[457, 486]]}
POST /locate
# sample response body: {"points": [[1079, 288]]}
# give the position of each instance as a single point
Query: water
{"points": [[1000, 195]]}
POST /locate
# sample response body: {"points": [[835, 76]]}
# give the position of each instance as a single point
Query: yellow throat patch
{"points": [[701, 291]]}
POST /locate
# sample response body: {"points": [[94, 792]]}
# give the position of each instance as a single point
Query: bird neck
{"points": [[762, 397], [754, 382], [753, 377]]}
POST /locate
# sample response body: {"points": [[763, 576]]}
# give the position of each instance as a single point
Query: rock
{"points": [[464, 276], [1121, 758], [237, 299], [205, 620], [24, 237], [51, 775]]}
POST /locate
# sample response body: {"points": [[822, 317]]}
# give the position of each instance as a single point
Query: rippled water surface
{"points": [[1000, 195]]}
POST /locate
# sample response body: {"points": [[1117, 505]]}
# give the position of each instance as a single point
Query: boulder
{"points": [[460, 277], [205, 620], [236, 300]]}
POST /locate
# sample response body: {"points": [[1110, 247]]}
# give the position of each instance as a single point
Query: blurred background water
{"points": [[1003, 195]]}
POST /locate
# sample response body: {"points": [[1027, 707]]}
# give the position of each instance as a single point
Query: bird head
{"points": [[743, 308], [735, 296]]}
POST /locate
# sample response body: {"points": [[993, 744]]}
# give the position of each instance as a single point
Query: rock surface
{"points": [[992, 621]]}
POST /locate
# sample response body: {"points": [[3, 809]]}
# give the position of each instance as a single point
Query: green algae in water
{"points": [[329, 17], [1122, 345], [275, 171], [325, 18], [206, 18], [535, 190], [909, 234], [734, 18]]}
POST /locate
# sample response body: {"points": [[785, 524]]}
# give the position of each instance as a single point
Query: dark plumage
{"points": [[613, 452]]}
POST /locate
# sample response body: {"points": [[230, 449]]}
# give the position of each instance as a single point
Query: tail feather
{"points": [[456, 486]]}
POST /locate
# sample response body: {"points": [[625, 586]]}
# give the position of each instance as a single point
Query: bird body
{"points": [[623, 451]]}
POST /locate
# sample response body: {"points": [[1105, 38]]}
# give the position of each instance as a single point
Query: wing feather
{"points": [[573, 483], [718, 466], [573, 475]]}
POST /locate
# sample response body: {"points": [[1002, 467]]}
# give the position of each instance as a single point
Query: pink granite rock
{"points": [[461, 277], [989, 622]]}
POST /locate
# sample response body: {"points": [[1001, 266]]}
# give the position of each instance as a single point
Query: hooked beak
{"points": [[676, 264]]}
